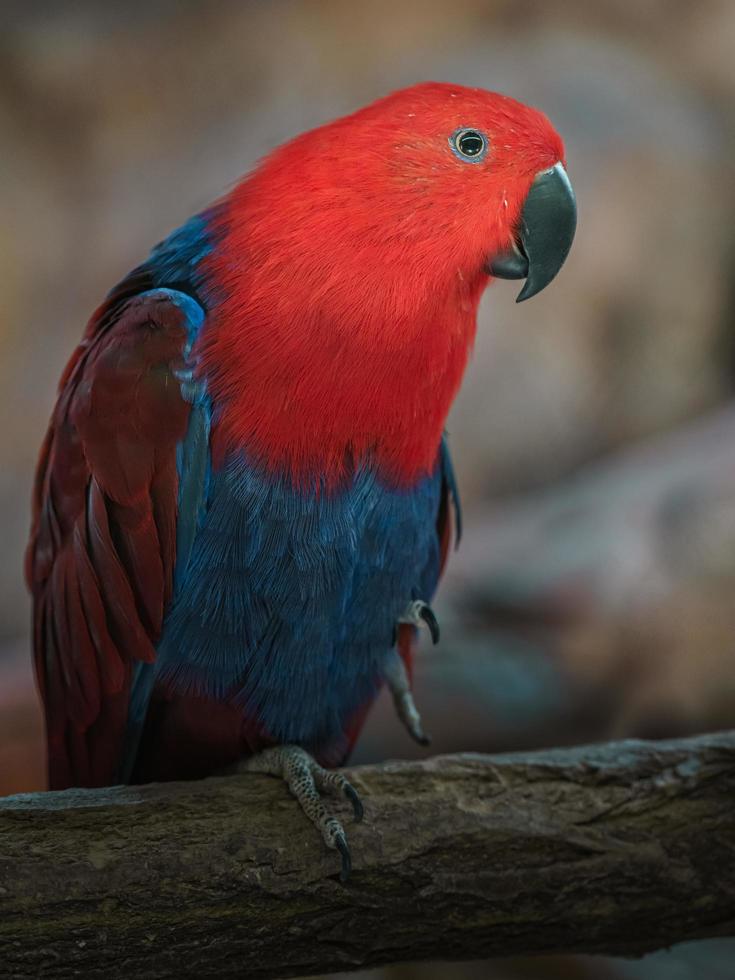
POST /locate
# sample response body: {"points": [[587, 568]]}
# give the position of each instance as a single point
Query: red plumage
{"points": [[102, 550], [345, 323]]}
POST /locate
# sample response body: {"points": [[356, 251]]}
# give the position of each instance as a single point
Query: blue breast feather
{"points": [[289, 600], [285, 600]]}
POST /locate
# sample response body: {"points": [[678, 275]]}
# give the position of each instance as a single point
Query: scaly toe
{"points": [[332, 781], [305, 778], [396, 678]]}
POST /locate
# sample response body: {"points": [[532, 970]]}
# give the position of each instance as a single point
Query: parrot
{"points": [[245, 497]]}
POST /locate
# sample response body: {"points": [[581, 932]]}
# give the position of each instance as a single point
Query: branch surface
{"points": [[619, 848]]}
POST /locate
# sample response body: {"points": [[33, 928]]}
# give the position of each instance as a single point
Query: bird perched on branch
{"points": [[245, 499]]}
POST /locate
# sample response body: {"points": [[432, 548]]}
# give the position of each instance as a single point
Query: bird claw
{"points": [[340, 842], [410, 717], [397, 680], [427, 614], [420, 613], [352, 795], [305, 779]]}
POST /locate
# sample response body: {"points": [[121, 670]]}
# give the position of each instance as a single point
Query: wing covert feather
{"points": [[101, 556]]}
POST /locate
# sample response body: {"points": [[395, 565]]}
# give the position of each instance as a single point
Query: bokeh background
{"points": [[594, 438]]}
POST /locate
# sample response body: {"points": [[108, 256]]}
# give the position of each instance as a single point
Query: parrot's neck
{"points": [[316, 368]]}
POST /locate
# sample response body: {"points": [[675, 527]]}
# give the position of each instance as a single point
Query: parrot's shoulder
{"points": [[176, 262]]}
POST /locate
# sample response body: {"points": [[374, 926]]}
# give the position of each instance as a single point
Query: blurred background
{"points": [[592, 596]]}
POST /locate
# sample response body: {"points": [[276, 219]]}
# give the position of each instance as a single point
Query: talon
{"points": [[417, 731], [427, 614], [420, 613], [305, 778], [340, 842], [408, 713], [352, 795]]}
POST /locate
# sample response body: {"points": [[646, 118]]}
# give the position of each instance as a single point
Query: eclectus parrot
{"points": [[245, 498]]}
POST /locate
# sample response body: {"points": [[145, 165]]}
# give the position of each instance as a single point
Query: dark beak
{"points": [[545, 234]]}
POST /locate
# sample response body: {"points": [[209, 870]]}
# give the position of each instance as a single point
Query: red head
{"points": [[350, 268]]}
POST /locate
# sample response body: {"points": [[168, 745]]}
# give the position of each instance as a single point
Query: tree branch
{"points": [[619, 848]]}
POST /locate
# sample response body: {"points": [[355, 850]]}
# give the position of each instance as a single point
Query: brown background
{"points": [[593, 436]]}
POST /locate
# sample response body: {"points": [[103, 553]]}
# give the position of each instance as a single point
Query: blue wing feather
{"points": [[451, 482]]}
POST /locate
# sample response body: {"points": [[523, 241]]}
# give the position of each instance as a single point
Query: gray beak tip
{"points": [[525, 293]]}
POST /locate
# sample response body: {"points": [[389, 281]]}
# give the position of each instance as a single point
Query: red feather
{"points": [[102, 550], [350, 282]]}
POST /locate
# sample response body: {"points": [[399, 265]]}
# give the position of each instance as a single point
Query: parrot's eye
{"points": [[468, 145]]}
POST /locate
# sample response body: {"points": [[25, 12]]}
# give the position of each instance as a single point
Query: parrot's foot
{"points": [[420, 613], [305, 779], [397, 680]]}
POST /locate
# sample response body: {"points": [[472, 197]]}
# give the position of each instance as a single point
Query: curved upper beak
{"points": [[545, 234]]}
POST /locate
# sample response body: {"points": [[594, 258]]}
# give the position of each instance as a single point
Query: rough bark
{"points": [[618, 848]]}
